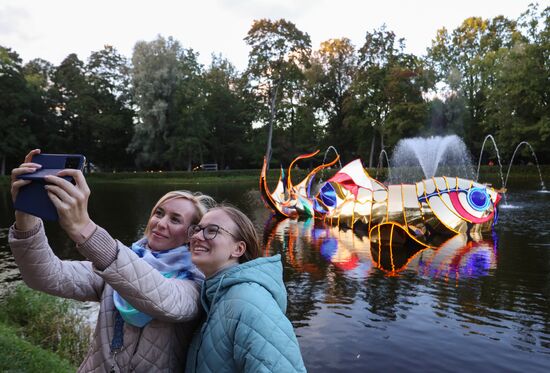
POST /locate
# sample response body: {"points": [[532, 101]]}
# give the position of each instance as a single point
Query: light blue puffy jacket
{"points": [[246, 329]]}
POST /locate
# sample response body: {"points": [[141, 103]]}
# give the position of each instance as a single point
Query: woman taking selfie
{"points": [[245, 329], [148, 294]]}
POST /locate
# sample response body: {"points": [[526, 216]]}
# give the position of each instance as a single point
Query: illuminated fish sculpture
{"points": [[422, 214]]}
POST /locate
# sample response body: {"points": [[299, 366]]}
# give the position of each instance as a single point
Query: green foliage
{"points": [[279, 53], [329, 79], [47, 321], [17, 107], [497, 78], [167, 91], [226, 114], [111, 117], [164, 110], [387, 91], [18, 355]]}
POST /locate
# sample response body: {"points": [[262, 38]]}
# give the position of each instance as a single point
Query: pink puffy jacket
{"points": [[161, 345]]}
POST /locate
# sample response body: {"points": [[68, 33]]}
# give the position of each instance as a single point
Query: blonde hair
{"points": [[245, 231], [201, 202]]}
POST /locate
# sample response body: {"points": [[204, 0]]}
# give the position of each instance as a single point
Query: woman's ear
{"points": [[239, 250]]}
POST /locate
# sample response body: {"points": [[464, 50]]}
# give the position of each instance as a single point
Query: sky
{"points": [[53, 29]]}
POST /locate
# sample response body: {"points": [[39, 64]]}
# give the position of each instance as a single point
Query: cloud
{"points": [[288, 9], [13, 21]]}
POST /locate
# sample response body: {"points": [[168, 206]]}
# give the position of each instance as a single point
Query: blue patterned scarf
{"points": [[173, 263]]}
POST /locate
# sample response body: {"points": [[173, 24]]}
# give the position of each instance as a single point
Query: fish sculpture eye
{"points": [[478, 199]]}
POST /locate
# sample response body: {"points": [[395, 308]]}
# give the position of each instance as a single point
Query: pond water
{"points": [[463, 307]]}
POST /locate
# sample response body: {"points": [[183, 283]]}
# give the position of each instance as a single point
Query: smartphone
{"points": [[33, 198]]}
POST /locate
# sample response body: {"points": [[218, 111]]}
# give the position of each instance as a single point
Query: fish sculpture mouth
{"points": [[423, 213]]}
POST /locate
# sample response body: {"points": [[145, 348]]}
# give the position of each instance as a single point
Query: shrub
{"points": [[18, 355], [47, 321]]}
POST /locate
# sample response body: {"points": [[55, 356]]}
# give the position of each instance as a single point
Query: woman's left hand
{"points": [[71, 201]]}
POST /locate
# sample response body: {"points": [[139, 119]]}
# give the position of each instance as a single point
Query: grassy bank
{"points": [[37, 326], [19, 355], [486, 173]]}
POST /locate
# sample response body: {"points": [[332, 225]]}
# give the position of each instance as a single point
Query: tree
{"points": [[191, 131], [279, 52], [108, 74], [162, 77], [336, 63], [518, 103], [38, 73], [71, 104], [459, 59], [387, 92], [405, 87], [16, 108], [45, 124], [226, 114]]}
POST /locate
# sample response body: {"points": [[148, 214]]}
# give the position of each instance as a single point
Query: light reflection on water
{"points": [[480, 306]]}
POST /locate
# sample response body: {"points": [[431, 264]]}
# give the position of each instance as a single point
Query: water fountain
{"points": [[490, 137], [372, 241], [335, 152], [420, 158], [421, 213], [325, 159], [430, 189], [542, 186], [380, 164]]}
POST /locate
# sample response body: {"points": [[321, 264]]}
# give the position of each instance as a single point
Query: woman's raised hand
{"points": [[71, 201], [24, 168], [23, 221]]}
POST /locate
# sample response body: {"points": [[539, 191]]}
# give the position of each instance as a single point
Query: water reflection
{"points": [[457, 258], [481, 306], [348, 251]]}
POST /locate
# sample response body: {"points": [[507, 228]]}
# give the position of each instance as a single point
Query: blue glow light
{"points": [[478, 199]]}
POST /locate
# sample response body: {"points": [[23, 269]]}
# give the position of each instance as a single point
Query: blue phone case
{"points": [[33, 198]]}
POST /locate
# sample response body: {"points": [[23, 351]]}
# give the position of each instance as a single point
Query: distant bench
{"points": [[207, 167]]}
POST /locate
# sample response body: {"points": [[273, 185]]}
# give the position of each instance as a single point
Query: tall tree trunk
{"points": [[372, 143], [272, 112]]}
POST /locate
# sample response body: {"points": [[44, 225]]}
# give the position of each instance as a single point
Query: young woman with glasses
{"points": [[148, 293], [245, 300]]}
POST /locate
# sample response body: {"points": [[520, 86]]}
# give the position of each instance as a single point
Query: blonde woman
{"points": [[148, 293]]}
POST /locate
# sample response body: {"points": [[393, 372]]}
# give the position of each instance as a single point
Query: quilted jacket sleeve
{"points": [[264, 339], [141, 285], [42, 270]]}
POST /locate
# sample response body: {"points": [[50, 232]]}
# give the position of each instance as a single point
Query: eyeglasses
{"points": [[209, 232]]}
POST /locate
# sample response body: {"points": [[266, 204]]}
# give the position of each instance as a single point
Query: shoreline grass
{"points": [[20, 355], [47, 322], [490, 173]]}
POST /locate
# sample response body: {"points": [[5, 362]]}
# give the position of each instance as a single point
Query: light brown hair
{"points": [[245, 232]]}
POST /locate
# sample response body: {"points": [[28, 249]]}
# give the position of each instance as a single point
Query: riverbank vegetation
{"points": [[486, 174], [159, 109], [19, 355], [36, 328]]}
